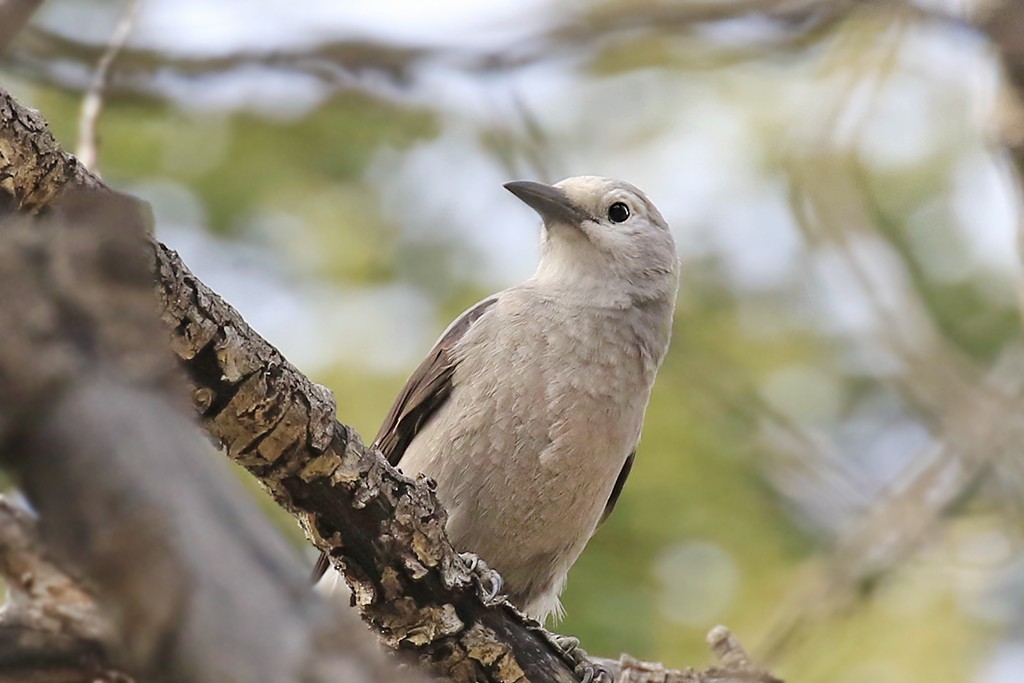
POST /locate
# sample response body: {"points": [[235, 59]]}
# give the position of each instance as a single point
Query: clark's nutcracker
{"points": [[527, 411]]}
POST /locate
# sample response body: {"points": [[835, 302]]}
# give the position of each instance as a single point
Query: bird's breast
{"points": [[546, 405]]}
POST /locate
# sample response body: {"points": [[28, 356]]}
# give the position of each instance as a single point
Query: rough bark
{"points": [[193, 582], [385, 531]]}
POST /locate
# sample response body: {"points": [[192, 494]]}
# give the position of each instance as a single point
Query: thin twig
{"points": [[88, 144]]}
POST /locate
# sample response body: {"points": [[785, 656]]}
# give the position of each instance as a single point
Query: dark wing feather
{"points": [[620, 482], [426, 391]]}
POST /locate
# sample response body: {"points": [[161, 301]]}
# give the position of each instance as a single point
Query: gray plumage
{"points": [[527, 412]]}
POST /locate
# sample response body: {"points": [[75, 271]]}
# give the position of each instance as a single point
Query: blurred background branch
{"points": [[386, 529], [87, 149]]}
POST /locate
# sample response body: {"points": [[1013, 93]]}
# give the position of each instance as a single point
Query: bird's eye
{"points": [[618, 212]]}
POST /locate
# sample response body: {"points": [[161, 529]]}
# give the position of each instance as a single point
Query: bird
{"points": [[527, 411]]}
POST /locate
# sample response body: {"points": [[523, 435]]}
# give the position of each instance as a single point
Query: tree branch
{"points": [[385, 531]]}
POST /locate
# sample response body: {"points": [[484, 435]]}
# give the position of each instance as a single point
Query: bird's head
{"points": [[602, 236]]}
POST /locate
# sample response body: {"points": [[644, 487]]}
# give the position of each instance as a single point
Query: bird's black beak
{"points": [[550, 202]]}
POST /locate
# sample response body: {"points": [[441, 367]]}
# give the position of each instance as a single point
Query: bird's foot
{"points": [[490, 581], [582, 666]]}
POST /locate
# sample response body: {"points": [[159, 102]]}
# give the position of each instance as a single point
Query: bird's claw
{"points": [[591, 672], [588, 671], [567, 644], [489, 581]]}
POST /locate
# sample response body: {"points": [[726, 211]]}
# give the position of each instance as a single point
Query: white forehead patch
{"points": [[588, 191]]}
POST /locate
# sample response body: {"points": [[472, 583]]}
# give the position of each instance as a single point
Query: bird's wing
{"points": [[617, 489], [426, 391]]}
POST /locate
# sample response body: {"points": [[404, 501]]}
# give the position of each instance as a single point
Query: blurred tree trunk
{"points": [[190, 582]]}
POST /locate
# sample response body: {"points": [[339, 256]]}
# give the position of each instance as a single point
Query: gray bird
{"points": [[527, 411]]}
